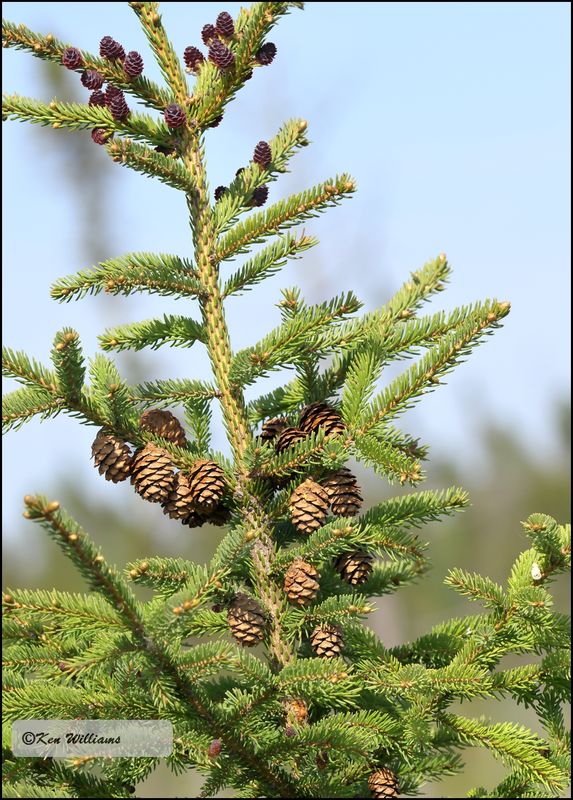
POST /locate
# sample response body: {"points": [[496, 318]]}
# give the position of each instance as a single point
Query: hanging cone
{"points": [[152, 473], [301, 585], [308, 506], [287, 438], [246, 620], [272, 428], [112, 457], [320, 416], [194, 519], [343, 493], [383, 783], [327, 641], [179, 503], [219, 516], [355, 568], [164, 424], [207, 483]]}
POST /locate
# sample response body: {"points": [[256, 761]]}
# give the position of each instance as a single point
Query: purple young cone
{"points": [[266, 54], [193, 57], [260, 195], [118, 107], [100, 136], [133, 64], [110, 93], [262, 155], [214, 748], [97, 98], [92, 79], [110, 49], [208, 34], [72, 58], [221, 55], [174, 115], [224, 25]]}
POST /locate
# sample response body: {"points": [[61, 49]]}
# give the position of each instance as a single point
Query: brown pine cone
{"points": [[207, 483], [111, 456], [320, 416], [246, 620], [219, 516], [194, 519], [343, 493], [308, 506], [287, 438], [327, 641], [152, 473], [272, 428], [383, 783], [301, 582], [164, 424], [179, 503], [296, 711], [355, 568]]}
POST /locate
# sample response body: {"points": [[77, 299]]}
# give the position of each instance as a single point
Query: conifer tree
{"points": [[320, 707]]}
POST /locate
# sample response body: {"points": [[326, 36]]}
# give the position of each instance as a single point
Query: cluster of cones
{"points": [[247, 620], [309, 505], [313, 417], [193, 496], [311, 500]]}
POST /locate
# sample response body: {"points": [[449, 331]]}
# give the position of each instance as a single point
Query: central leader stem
{"points": [[231, 397]]}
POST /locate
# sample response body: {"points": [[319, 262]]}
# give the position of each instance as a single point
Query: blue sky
{"points": [[454, 118]]}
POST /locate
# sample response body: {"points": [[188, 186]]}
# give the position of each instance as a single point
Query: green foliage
{"points": [[306, 332], [266, 263], [157, 274], [109, 655], [173, 391], [69, 364], [149, 162], [176, 331], [285, 214], [20, 406], [76, 116], [239, 193]]}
